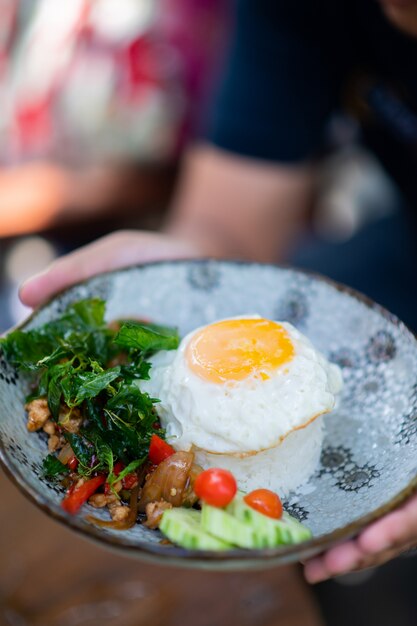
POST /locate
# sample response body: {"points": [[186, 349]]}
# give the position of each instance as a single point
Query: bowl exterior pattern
{"points": [[369, 457]]}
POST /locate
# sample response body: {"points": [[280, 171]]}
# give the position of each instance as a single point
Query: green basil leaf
{"points": [[139, 337], [130, 468], [26, 349], [69, 388], [139, 369], [53, 467], [57, 355], [132, 406], [89, 312], [82, 448], [91, 384], [54, 398], [103, 450]]}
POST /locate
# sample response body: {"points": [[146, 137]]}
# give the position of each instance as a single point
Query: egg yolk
{"points": [[232, 350]]}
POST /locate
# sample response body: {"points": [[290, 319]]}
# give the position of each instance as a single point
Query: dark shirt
{"points": [[293, 64]]}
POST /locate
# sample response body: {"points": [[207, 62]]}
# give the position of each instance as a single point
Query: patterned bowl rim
{"points": [[230, 559]]}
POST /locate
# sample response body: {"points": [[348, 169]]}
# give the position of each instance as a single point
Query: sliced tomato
{"points": [[266, 502], [76, 497], [215, 486], [159, 450]]}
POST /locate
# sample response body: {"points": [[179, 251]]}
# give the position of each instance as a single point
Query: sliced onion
{"points": [[65, 454], [169, 481], [189, 497]]}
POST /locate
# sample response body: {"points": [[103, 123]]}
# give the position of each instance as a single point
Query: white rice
{"points": [[282, 468]]}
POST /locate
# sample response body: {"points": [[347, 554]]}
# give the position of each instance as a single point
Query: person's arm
{"points": [[233, 206], [226, 206]]}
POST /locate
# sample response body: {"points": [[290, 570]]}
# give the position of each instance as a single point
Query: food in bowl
{"points": [[101, 429], [94, 395]]}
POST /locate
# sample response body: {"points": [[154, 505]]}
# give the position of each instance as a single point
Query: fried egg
{"points": [[245, 394], [241, 385]]}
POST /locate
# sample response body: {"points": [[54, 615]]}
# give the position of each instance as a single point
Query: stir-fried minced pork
{"points": [[38, 413], [55, 442], [49, 427], [154, 512], [119, 513], [70, 419]]}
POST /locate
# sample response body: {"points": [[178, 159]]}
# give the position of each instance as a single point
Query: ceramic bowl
{"points": [[369, 457]]}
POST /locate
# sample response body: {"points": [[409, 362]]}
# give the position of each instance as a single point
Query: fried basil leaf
{"points": [[53, 467], [90, 384], [78, 361], [103, 451], [137, 336], [127, 470], [82, 448], [81, 330], [54, 398], [26, 349]]}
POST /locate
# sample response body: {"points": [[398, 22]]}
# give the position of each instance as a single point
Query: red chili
{"points": [[159, 450], [73, 463], [117, 468], [130, 481], [77, 496]]}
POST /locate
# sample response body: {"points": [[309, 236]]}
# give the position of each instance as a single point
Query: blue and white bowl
{"points": [[369, 458]]}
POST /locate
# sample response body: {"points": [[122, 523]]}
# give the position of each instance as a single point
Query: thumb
{"points": [[114, 251]]}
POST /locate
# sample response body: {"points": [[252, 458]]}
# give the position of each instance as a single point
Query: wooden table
{"points": [[50, 576]]}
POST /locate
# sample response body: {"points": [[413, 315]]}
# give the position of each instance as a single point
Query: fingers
{"points": [[320, 569], [395, 529], [114, 251], [338, 560], [67, 270], [385, 533], [380, 542]]}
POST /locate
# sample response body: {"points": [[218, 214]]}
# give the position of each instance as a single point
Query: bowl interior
{"points": [[369, 457]]}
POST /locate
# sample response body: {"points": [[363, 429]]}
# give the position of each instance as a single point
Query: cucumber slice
{"points": [[183, 527], [222, 525], [236, 525], [297, 527], [286, 530]]}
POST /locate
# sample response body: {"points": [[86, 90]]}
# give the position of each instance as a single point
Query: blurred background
{"points": [[99, 99]]}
